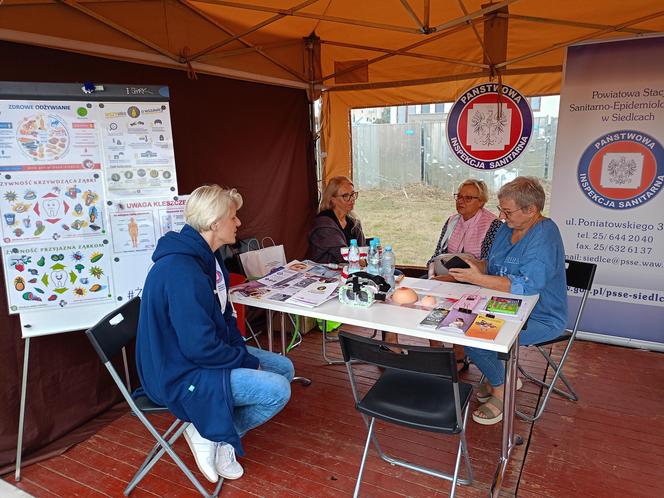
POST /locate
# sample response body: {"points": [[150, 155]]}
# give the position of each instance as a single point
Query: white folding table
{"points": [[404, 320]]}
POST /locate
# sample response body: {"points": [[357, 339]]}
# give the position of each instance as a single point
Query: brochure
{"points": [[433, 319], [276, 277], [485, 328], [252, 288], [297, 265], [467, 302], [457, 321], [328, 271], [503, 305], [314, 294], [280, 295]]}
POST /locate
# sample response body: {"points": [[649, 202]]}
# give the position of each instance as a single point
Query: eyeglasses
{"points": [[465, 198], [350, 195], [507, 213]]}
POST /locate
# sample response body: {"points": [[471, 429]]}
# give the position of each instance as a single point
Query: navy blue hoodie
{"points": [[186, 346]]}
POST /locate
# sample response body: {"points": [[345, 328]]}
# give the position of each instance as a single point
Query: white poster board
{"points": [[52, 204], [58, 274], [68, 160], [138, 148], [607, 188]]}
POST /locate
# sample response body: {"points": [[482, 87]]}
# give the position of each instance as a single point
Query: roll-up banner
{"points": [[608, 178]]}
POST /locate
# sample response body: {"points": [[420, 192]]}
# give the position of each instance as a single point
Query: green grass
{"points": [[409, 219]]}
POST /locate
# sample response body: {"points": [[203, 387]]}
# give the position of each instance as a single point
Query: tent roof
{"points": [[368, 44], [360, 53]]}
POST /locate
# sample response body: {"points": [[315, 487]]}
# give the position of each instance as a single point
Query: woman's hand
{"points": [[477, 275], [469, 275]]}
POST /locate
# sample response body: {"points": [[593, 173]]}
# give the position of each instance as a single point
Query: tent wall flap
{"points": [[250, 136]]}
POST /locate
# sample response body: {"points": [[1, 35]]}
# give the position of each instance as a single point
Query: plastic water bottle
{"points": [[353, 257], [373, 259], [388, 265], [379, 248]]}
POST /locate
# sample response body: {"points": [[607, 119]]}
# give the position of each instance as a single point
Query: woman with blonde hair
{"points": [[335, 225], [190, 355], [472, 228]]}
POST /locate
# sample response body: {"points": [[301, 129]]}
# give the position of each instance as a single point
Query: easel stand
{"points": [[21, 413], [39, 323]]}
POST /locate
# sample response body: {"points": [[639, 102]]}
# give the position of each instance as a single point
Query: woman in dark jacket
{"points": [[335, 225], [189, 352]]}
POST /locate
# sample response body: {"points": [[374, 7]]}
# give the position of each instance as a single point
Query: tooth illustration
{"points": [[59, 279], [51, 206]]}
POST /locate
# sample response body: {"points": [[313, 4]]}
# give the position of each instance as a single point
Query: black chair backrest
{"points": [[580, 274], [116, 330], [421, 359]]}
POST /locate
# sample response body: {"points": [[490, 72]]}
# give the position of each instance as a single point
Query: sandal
{"points": [[489, 418], [465, 362], [483, 394]]}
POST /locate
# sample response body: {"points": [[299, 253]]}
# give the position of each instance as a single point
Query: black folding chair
{"points": [[115, 331], [420, 390], [580, 276]]}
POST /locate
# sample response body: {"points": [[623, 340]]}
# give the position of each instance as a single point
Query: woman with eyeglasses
{"points": [[335, 225], [472, 228], [527, 257]]}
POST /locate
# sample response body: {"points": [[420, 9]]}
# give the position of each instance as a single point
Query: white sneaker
{"points": [[204, 451], [227, 466]]}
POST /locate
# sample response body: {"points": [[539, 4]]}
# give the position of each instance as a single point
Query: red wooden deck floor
{"points": [[610, 443]]}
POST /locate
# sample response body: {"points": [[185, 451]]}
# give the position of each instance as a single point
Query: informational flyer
{"points": [[38, 135], [50, 205], [608, 179], [138, 149], [132, 228], [59, 274], [170, 214]]}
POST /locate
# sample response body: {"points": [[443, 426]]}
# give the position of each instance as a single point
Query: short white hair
{"points": [[524, 191], [481, 187], [209, 203]]}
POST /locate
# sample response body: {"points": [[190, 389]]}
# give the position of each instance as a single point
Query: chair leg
{"points": [[558, 369], [364, 458], [462, 449], [166, 447], [254, 336], [425, 470], [550, 387], [148, 458], [466, 455]]}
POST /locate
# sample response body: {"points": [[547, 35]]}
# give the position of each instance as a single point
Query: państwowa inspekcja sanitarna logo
{"points": [[489, 126], [622, 169]]}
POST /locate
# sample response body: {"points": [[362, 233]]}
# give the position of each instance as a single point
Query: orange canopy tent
{"points": [[357, 53]]}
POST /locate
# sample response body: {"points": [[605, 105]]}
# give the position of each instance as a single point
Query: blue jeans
{"points": [[260, 394], [493, 368]]}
